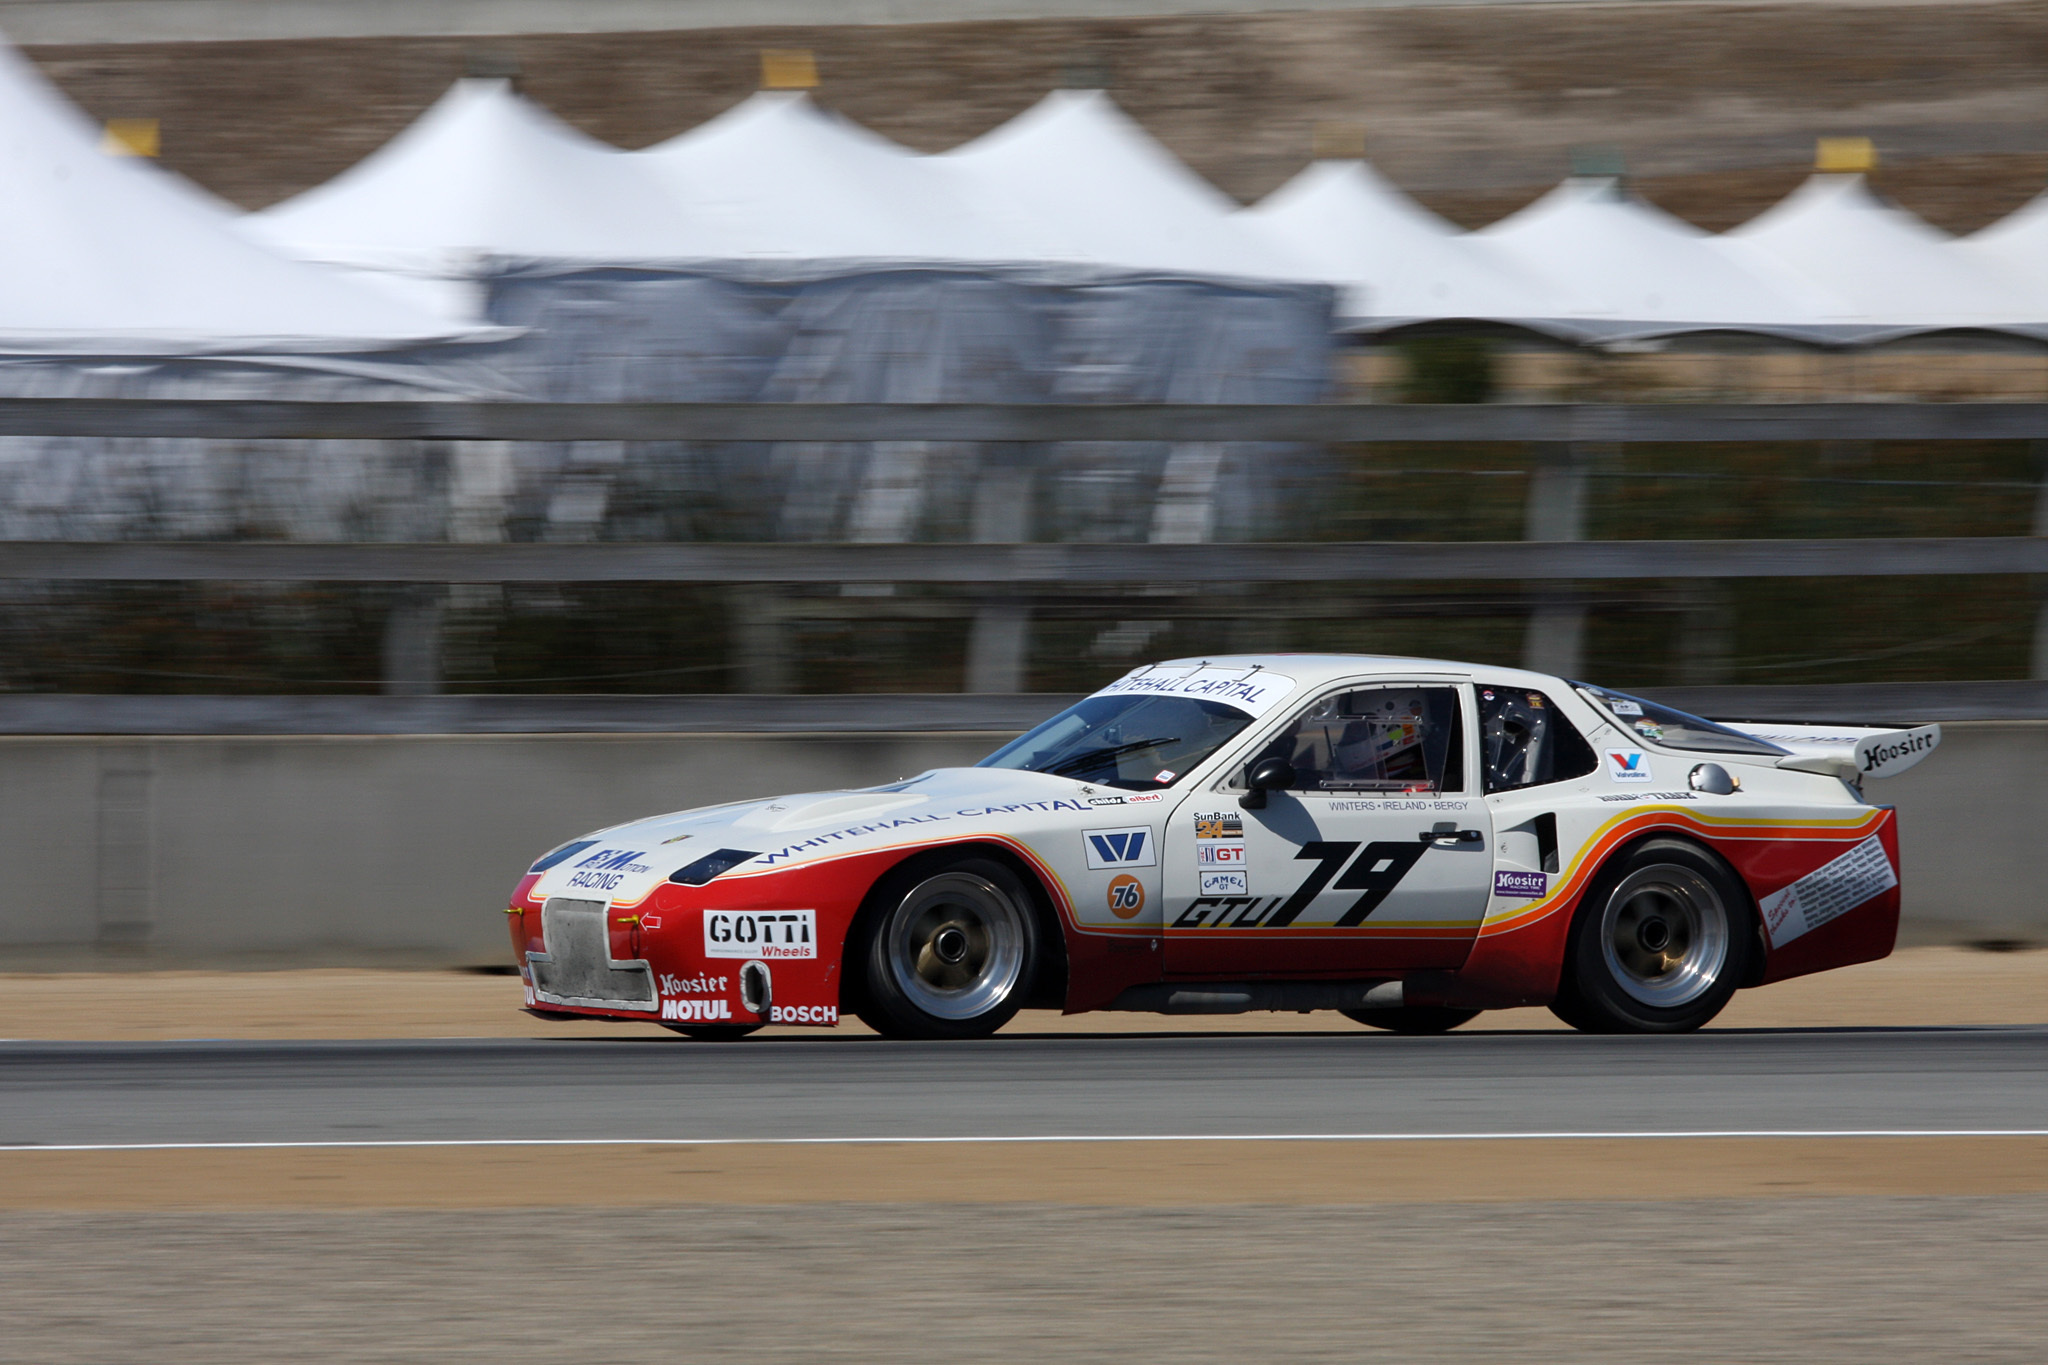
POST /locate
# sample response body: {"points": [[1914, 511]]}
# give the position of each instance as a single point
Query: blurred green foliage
{"points": [[1446, 369]]}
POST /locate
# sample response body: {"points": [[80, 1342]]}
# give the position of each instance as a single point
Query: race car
{"points": [[1405, 841]]}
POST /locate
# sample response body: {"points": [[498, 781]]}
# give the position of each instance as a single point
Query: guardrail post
{"points": [[2040, 652], [1556, 510], [413, 639], [999, 641], [761, 639], [125, 863]]}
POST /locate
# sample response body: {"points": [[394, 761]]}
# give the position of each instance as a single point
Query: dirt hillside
{"points": [[1475, 108]]}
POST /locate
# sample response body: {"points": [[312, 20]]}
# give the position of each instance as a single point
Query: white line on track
{"points": [[1584, 1135]]}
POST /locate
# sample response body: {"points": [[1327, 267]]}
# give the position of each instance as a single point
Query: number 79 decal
{"points": [[1374, 873]]}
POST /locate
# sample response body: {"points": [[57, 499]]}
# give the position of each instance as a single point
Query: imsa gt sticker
{"points": [[765, 934]]}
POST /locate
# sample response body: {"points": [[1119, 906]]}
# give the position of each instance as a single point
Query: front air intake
{"points": [[578, 968]]}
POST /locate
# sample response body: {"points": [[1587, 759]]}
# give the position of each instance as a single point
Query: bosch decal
{"points": [[803, 1014]]}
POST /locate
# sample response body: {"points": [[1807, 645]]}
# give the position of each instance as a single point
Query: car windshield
{"points": [[1672, 728], [1135, 743]]}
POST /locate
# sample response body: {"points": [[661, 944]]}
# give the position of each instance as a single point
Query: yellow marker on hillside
{"points": [[1845, 155], [785, 68], [131, 137]]}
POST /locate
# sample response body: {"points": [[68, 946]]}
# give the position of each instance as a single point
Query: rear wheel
{"points": [[1659, 947], [1413, 1018], [948, 952], [713, 1033]]}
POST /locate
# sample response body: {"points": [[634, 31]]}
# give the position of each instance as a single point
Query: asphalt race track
{"points": [[1159, 1085]]}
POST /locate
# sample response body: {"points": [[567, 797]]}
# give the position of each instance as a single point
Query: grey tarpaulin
{"points": [[902, 333]]}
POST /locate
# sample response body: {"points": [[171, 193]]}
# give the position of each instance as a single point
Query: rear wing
{"points": [[1846, 751]]}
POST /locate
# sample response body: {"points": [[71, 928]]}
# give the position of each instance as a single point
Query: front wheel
{"points": [[1660, 945], [1412, 1018], [949, 951]]}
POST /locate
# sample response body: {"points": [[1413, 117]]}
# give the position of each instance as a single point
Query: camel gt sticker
{"points": [[1113, 848], [1626, 765]]}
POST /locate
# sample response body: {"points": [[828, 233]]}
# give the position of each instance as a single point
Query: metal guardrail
{"points": [[1025, 422], [936, 713], [1019, 565]]}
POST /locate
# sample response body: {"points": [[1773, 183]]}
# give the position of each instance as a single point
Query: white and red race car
{"points": [[1407, 841]]}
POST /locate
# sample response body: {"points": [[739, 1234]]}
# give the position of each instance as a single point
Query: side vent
{"points": [[1546, 839]]}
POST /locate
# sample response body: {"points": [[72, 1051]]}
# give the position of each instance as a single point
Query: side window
{"points": [[1524, 741], [1379, 739]]}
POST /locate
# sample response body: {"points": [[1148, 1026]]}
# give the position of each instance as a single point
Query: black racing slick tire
{"points": [[713, 1033], [947, 948], [1412, 1018], [1659, 945]]}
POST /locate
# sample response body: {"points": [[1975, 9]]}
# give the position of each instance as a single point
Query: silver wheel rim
{"points": [[955, 946], [1665, 936]]}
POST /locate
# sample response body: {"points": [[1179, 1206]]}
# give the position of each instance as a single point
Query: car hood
{"points": [[626, 862]]}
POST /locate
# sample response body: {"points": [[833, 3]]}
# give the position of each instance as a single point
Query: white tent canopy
{"points": [[483, 172], [2016, 244], [776, 177], [1074, 179], [1626, 268], [113, 256], [1395, 261], [1890, 269]]}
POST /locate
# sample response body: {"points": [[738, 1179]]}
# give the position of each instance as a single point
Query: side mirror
{"points": [[1267, 775], [1713, 779]]}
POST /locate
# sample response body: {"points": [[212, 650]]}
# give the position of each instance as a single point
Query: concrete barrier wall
{"points": [[244, 850]]}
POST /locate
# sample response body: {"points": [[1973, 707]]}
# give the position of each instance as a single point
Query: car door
{"points": [[1377, 859]]}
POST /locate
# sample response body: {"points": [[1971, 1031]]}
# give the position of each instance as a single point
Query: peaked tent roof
{"points": [[1628, 269], [1073, 178], [1890, 269], [2016, 243], [775, 176], [115, 256], [1396, 261], [485, 171]]}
